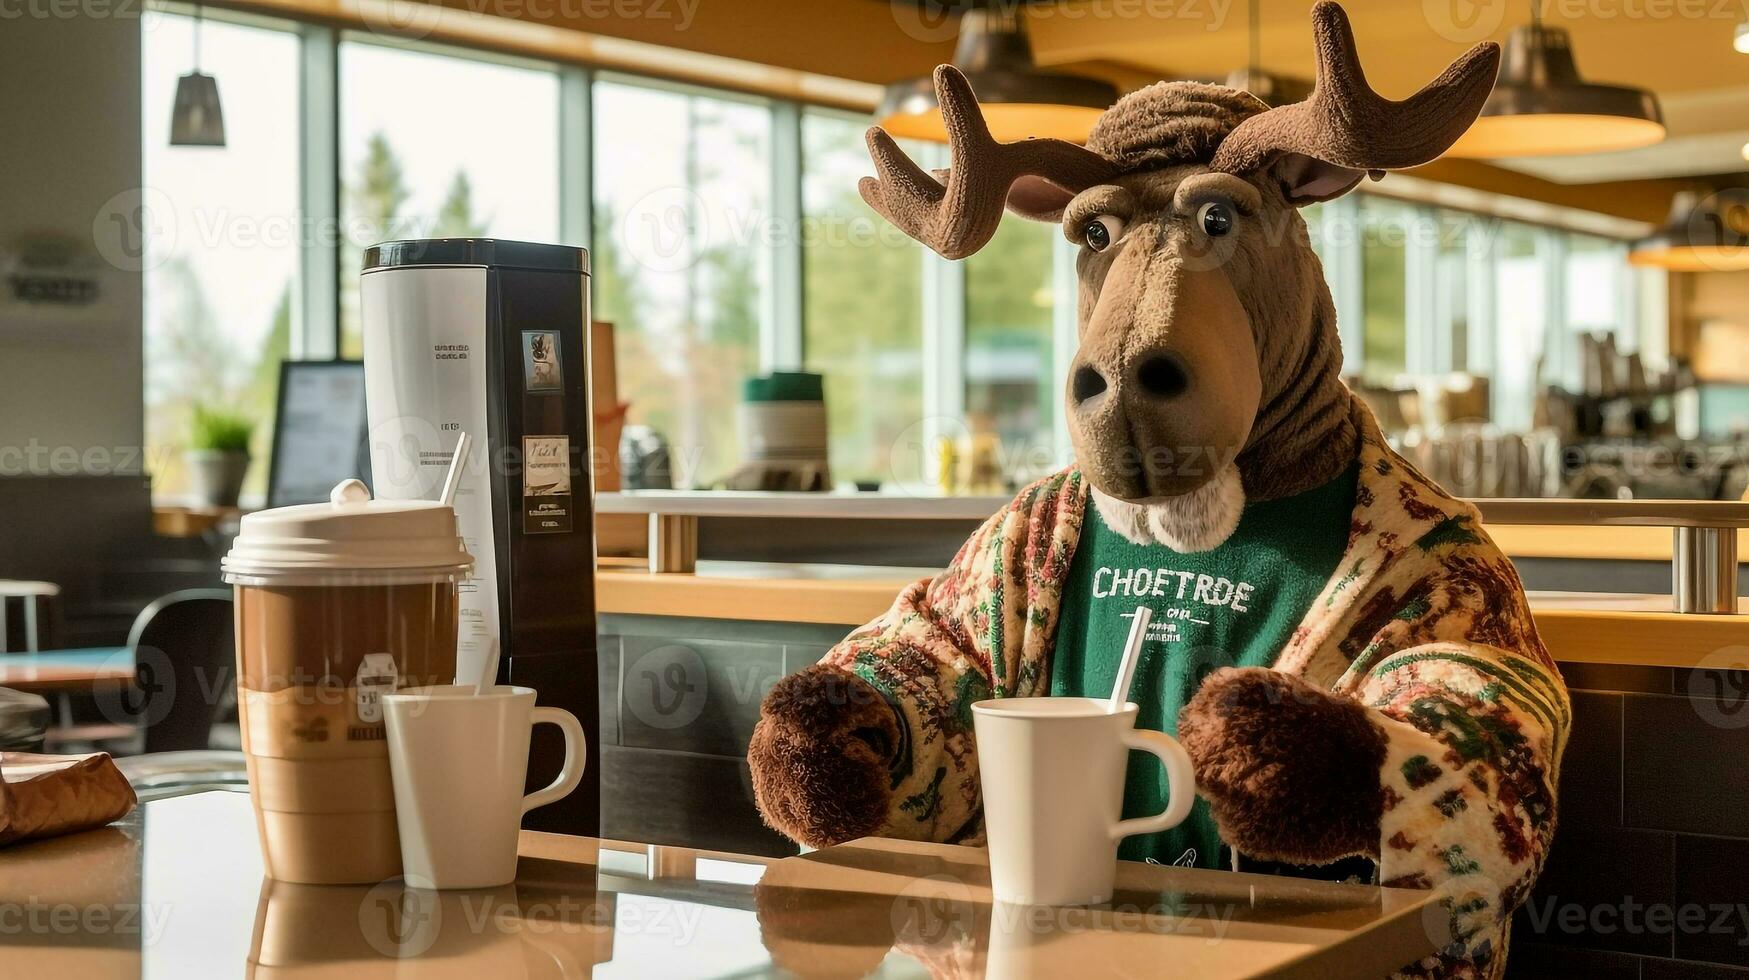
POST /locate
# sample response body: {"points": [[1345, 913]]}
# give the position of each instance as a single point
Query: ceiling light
{"points": [[1741, 41], [197, 119], [1017, 98], [1709, 234], [1541, 107]]}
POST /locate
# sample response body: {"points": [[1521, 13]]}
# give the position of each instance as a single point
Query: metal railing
{"points": [[1703, 543], [1703, 562]]}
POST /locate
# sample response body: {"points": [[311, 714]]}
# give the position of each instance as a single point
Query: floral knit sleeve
{"points": [[1430, 630], [980, 629]]}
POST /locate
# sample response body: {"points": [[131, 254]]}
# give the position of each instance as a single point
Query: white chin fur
{"points": [[1197, 521]]}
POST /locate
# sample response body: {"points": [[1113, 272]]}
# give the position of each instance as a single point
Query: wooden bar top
{"points": [[1577, 627], [176, 890]]}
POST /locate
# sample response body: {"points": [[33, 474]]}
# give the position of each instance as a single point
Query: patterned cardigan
{"points": [[1425, 622]]}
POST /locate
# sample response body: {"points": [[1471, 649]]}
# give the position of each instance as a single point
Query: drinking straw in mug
{"points": [[453, 478], [1132, 651]]}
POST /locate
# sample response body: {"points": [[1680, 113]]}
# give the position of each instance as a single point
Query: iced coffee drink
{"points": [[336, 605]]}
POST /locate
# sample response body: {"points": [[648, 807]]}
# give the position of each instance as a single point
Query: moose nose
{"points": [[1087, 384], [1161, 376]]}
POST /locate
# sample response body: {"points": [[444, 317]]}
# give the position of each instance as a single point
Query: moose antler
{"points": [[1346, 124], [958, 219]]}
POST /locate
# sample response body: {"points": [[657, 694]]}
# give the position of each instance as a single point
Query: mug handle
{"points": [[571, 773], [1180, 782]]}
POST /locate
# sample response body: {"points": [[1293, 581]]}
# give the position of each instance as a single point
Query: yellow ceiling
{"points": [[1681, 49], [1402, 42]]}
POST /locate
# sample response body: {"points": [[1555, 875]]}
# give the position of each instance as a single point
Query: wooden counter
{"points": [[176, 889], [1577, 627]]}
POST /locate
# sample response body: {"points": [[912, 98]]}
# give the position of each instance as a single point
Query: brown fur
{"points": [[821, 756], [1169, 124], [1166, 292], [1291, 772]]}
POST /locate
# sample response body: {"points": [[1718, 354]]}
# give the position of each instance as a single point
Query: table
{"points": [[67, 670], [176, 890]]}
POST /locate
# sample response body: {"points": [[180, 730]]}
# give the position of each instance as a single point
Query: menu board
{"points": [[319, 435]]}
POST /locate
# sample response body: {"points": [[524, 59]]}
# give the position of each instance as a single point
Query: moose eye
{"points": [[1215, 218], [1102, 231]]}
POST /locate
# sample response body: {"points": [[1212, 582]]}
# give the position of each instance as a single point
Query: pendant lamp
{"points": [[1702, 234], [1018, 99], [1541, 107], [197, 119]]}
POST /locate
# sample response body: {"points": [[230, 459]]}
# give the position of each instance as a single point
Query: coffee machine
{"points": [[490, 338]]}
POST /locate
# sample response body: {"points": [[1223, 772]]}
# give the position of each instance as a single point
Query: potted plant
{"points": [[218, 456]]}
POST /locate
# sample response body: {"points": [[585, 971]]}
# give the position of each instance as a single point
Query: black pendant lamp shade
{"points": [[196, 118], [1017, 98], [1541, 107], [1702, 234]]}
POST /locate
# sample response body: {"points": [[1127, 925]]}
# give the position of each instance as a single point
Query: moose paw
{"points": [[821, 756], [1291, 771]]}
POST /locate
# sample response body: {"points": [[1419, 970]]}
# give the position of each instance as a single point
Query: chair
{"points": [[185, 671], [185, 668]]}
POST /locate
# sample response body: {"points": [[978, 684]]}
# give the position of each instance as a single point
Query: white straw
{"points": [[1132, 651], [457, 462], [489, 673]]}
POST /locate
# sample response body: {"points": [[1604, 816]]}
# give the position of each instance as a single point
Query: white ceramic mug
{"points": [[458, 761], [1052, 771]]}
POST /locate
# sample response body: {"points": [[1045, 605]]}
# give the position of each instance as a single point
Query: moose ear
{"points": [[1038, 199], [1305, 180]]}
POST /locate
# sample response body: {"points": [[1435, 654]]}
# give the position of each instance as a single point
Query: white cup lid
{"points": [[351, 533]]}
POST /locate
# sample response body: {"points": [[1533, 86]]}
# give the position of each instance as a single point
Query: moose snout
{"points": [[1159, 376], [1165, 387], [1140, 420]]}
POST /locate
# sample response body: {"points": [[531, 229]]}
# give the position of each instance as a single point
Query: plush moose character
{"points": [[1347, 657]]}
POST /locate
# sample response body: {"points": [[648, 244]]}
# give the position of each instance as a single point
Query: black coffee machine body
{"points": [[490, 338]]}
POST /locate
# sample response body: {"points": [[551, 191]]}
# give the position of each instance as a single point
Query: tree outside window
{"points": [[681, 261], [1010, 389], [862, 310], [218, 303], [435, 146]]}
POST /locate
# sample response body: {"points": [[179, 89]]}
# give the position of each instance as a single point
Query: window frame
{"points": [[782, 332]]}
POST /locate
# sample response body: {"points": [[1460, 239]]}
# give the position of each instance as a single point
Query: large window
{"points": [[1386, 228], [433, 146], [1422, 291], [1010, 389], [1598, 287], [862, 310], [681, 260], [219, 296], [728, 238], [1520, 315], [1450, 293]]}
